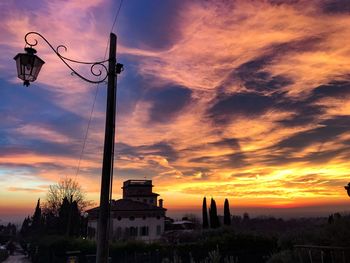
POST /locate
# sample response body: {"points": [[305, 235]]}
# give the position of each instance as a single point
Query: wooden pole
{"points": [[108, 156]]}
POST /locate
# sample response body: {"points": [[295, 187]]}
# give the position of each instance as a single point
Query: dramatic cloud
{"points": [[242, 99], [167, 102]]}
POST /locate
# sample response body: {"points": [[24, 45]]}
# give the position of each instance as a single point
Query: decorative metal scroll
{"points": [[98, 69]]}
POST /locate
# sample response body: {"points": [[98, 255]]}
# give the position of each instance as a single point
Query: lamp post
{"points": [[28, 68]]}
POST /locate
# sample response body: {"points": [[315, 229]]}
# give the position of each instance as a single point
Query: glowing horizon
{"points": [[245, 100]]}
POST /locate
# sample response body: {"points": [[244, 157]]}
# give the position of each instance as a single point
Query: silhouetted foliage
{"points": [[337, 216], [213, 215], [66, 188], [246, 217], [8, 230], [25, 226], [69, 221], [61, 214], [3, 255], [37, 220], [330, 219], [227, 214], [69, 218], [51, 223], [74, 219], [255, 241], [33, 225], [205, 214]]}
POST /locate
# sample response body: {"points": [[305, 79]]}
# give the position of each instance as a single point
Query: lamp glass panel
{"points": [[37, 64], [18, 65], [28, 66], [28, 62]]}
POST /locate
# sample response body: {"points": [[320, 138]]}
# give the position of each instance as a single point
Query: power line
{"points": [[111, 176], [117, 14], [95, 97], [87, 131]]}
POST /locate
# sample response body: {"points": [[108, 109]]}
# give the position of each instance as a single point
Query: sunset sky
{"points": [[244, 99]]}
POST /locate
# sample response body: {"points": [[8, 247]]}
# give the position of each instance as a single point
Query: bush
{"points": [[284, 256], [54, 248], [3, 254]]}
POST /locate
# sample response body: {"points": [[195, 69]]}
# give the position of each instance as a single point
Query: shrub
{"points": [[3, 255], [284, 256]]}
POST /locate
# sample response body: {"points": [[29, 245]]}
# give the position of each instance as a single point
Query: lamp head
{"points": [[28, 65]]}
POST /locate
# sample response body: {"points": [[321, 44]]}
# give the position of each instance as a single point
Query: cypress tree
{"points": [[51, 225], [25, 226], [36, 221], [227, 215], [214, 220], [63, 216], [74, 219], [205, 213]]}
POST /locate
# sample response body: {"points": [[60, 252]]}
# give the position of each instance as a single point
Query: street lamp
{"points": [[28, 68], [28, 65]]}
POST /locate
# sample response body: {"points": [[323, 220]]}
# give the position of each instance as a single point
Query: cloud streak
{"points": [[240, 99]]}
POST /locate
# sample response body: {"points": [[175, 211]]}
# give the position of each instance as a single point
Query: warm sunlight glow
{"points": [[246, 100]]}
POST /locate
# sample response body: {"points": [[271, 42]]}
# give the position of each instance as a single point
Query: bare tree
{"points": [[68, 188]]}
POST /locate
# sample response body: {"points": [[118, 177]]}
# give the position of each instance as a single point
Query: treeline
{"points": [[8, 230], [66, 221], [213, 220], [199, 246]]}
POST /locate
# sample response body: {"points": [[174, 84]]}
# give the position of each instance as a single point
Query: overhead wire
{"points": [[115, 116], [90, 119], [95, 98], [112, 164]]}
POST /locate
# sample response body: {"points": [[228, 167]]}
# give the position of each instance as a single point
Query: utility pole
{"points": [[28, 68], [108, 156]]}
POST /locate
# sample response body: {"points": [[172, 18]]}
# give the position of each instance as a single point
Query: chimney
{"points": [[161, 203]]}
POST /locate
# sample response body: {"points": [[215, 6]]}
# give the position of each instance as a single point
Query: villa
{"points": [[137, 216]]}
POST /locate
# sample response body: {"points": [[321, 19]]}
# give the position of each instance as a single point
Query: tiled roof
{"points": [[129, 205], [142, 195]]}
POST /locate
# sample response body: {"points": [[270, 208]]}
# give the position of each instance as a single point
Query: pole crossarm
{"points": [[97, 68]]}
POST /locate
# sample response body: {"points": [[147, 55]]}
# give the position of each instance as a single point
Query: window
{"points": [[119, 218], [158, 217], [151, 201], [144, 217], [91, 232], [159, 230], [132, 218], [133, 231], [118, 233], [144, 231], [127, 232]]}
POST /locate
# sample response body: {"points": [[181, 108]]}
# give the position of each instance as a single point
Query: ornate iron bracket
{"points": [[98, 68]]}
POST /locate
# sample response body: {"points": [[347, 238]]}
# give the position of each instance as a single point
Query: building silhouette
{"points": [[137, 216]]}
